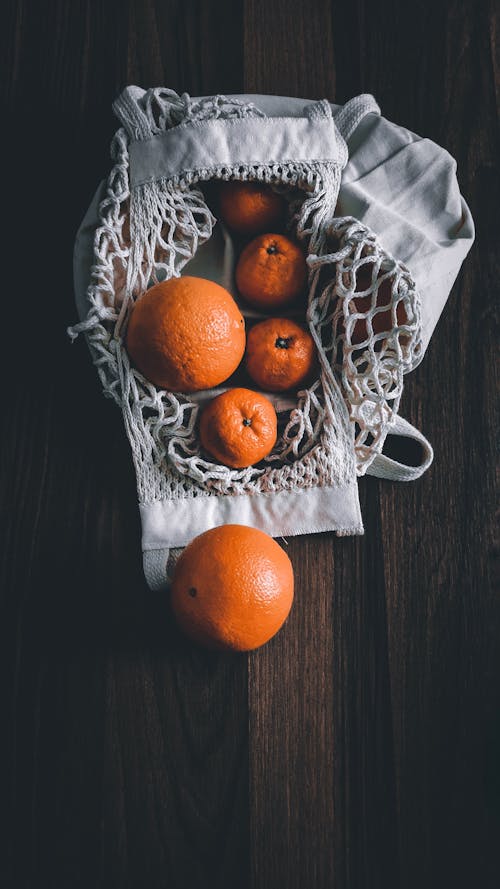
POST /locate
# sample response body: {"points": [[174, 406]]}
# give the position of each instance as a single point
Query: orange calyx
{"points": [[283, 342]]}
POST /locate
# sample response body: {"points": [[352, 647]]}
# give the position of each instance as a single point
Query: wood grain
{"points": [[359, 749], [291, 732]]}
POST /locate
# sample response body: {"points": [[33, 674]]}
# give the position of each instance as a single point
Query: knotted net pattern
{"points": [[370, 305], [150, 233]]}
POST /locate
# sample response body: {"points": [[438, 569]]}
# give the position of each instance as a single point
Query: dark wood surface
{"points": [[361, 747]]}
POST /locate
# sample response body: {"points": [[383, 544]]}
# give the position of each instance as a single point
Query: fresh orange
{"points": [[239, 427], [250, 207], [381, 322], [271, 272], [280, 354], [186, 334], [232, 588]]}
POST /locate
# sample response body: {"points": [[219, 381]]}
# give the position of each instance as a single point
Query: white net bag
{"points": [[371, 304], [150, 220]]}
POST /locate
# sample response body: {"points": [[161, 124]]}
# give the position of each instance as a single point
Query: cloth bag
{"points": [[378, 211]]}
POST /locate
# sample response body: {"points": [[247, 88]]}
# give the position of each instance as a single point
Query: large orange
{"points": [[271, 272], [232, 588], [239, 427], [280, 354], [250, 207], [186, 334]]}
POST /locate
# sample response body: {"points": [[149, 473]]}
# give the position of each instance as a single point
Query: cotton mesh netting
{"points": [[362, 311]]}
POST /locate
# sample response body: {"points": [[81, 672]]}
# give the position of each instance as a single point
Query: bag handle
{"points": [[353, 112], [384, 467]]}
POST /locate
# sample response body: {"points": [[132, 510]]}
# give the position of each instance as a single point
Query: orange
{"points": [[186, 334], [280, 354], [271, 272], [232, 588], [239, 427], [250, 207], [381, 322]]}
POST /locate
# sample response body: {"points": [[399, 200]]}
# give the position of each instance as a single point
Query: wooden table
{"points": [[361, 747]]}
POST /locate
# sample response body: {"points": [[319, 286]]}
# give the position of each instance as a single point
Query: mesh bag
{"points": [[150, 221]]}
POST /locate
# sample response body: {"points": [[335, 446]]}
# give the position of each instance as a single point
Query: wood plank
{"points": [[288, 49], [291, 679], [436, 535], [126, 759], [291, 739]]}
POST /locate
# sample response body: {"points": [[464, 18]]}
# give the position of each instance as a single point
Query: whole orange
{"points": [[280, 354], [381, 322], [271, 272], [239, 427], [232, 588], [250, 207], [186, 334]]}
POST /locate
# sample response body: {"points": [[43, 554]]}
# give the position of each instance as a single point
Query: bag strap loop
{"points": [[384, 467], [353, 112], [130, 114]]}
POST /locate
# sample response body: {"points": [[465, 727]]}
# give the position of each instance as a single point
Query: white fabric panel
{"points": [[284, 513], [406, 190], [201, 145]]}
